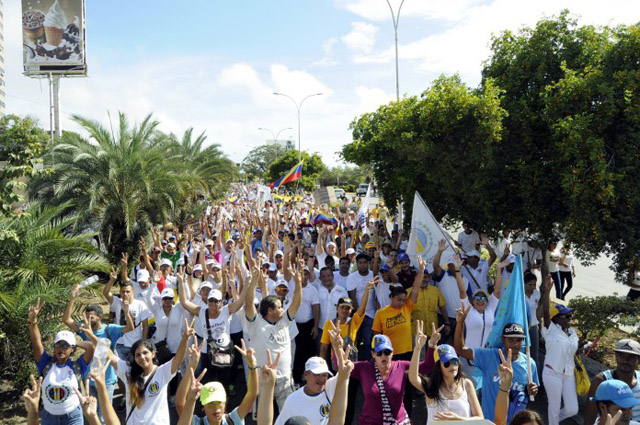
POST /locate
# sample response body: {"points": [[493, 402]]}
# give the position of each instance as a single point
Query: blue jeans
{"points": [[365, 335], [94, 392], [557, 283], [72, 418]]}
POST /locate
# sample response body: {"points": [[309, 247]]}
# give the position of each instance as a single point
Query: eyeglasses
{"points": [[62, 345], [480, 298], [167, 299], [454, 362], [213, 300], [385, 352]]}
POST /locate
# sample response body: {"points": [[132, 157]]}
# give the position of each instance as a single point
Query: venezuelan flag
{"points": [[321, 218], [294, 174]]}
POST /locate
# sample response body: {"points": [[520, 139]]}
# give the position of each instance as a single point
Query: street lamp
{"points": [[298, 106], [396, 19], [275, 136]]}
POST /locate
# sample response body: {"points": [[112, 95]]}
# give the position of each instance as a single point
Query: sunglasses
{"points": [[62, 345], [167, 299], [282, 289], [213, 300], [480, 298], [454, 362], [566, 316], [385, 352]]}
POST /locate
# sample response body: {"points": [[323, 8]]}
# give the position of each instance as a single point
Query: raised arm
{"points": [[458, 338], [66, 316], [249, 307], [484, 240], [442, 245], [193, 357], [457, 262], [34, 331], [107, 288], [415, 288], [497, 288], [182, 348], [252, 385], [420, 339], [297, 294], [505, 371], [547, 283], [182, 295]]}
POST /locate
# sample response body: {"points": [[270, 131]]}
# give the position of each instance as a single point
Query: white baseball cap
{"points": [[197, 267], [167, 293], [208, 242], [278, 252], [205, 285], [142, 275], [350, 251], [171, 245], [215, 294], [66, 336], [166, 262], [216, 264], [317, 365], [273, 267]]}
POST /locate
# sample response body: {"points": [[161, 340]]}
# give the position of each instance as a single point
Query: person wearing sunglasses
{"points": [[450, 395], [558, 372], [383, 381]]}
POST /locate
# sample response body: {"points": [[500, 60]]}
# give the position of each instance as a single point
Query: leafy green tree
{"points": [[257, 162], [21, 145], [311, 169], [120, 182], [39, 259], [345, 176]]}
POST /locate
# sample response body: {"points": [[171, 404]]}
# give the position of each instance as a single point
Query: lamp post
{"points": [[298, 107], [275, 136], [396, 19]]}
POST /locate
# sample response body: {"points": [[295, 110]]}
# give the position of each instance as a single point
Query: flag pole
{"points": [[529, 374]]}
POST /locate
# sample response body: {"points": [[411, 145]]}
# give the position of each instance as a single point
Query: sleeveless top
{"points": [[459, 406], [608, 374]]}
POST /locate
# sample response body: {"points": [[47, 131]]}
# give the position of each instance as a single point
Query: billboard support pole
{"points": [[56, 106], [50, 78]]}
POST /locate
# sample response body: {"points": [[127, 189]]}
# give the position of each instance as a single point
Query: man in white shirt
{"points": [[356, 284], [476, 270], [468, 239], [328, 294], [341, 275], [313, 401], [308, 320], [270, 329]]}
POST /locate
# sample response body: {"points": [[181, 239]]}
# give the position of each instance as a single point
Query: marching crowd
{"points": [[312, 311]]}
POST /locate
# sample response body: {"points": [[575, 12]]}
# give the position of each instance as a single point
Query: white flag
{"points": [[361, 218], [425, 234]]}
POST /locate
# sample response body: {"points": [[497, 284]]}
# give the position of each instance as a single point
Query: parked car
{"points": [[339, 192], [361, 190]]}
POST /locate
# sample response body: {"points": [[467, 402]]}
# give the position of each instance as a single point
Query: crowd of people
{"points": [[306, 313]]}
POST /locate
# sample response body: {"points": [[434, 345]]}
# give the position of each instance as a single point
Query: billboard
{"points": [[53, 34]]}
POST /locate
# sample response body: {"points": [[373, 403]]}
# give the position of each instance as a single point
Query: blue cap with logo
{"points": [[444, 353], [381, 342], [385, 268], [616, 391]]}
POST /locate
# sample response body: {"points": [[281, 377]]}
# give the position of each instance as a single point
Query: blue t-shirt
{"points": [[46, 358], [234, 416], [487, 360], [113, 333]]}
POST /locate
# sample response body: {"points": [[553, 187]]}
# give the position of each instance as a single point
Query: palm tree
{"points": [[119, 182], [38, 260]]}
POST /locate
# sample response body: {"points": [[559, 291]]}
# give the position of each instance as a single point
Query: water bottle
{"points": [[101, 352], [89, 281]]}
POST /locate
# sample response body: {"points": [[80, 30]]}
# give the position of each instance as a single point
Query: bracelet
{"points": [[504, 391], [253, 368], [457, 271], [35, 322]]}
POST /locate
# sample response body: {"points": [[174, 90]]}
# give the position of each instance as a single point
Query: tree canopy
{"points": [[311, 170], [256, 163]]}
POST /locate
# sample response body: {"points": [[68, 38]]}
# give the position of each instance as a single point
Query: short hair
{"points": [[527, 416], [268, 302], [329, 259], [528, 277], [326, 268], [126, 283], [94, 308], [344, 259], [362, 255], [394, 291]]}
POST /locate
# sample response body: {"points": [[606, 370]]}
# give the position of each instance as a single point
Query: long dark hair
{"points": [[432, 383], [135, 375], [527, 416]]}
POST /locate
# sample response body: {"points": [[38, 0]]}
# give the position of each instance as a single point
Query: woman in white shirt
{"points": [[146, 383], [532, 297], [552, 258], [561, 342], [567, 269]]}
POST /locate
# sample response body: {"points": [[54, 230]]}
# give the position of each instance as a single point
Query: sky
{"points": [[214, 65]]}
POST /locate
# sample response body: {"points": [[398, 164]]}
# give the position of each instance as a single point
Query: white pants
{"points": [[560, 387]]}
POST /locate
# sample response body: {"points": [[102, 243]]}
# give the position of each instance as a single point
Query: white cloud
{"points": [[361, 38]]}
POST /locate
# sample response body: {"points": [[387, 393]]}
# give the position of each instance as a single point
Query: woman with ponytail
{"points": [[146, 383]]}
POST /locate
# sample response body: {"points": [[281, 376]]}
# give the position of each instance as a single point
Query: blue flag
{"points": [[512, 307]]}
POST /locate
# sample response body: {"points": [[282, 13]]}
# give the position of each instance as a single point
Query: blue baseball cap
{"points": [[559, 309], [444, 353], [616, 391], [381, 342], [404, 257], [385, 267]]}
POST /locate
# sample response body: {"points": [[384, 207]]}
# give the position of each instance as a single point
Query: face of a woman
{"points": [[214, 305], [344, 311], [144, 357], [214, 409], [398, 301], [382, 359], [480, 302], [62, 351], [450, 368]]}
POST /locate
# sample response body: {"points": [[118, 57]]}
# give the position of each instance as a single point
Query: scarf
{"points": [[387, 416]]}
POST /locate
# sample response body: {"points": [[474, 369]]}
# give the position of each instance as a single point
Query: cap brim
{"points": [[627, 352], [319, 370], [515, 336]]}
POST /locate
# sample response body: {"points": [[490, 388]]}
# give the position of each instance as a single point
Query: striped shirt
{"points": [[636, 392]]}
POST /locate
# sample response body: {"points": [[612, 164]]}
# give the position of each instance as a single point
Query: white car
{"points": [[361, 190], [339, 192]]}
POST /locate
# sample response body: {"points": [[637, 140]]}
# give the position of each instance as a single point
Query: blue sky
{"points": [[214, 65]]}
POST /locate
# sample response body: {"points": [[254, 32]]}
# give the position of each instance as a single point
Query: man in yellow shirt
{"points": [[429, 302]]}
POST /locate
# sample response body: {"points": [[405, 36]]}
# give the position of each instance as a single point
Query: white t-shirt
{"points": [[357, 282], [313, 407], [144, 295], [449, 288], [322, 257], [170, 327], [480, 273], [568, 260], [139, 312], [339, 279], [381, 292], [155, 409], [552, 265], [58, 396], [309, 299], [328, 301], [533, 306], [220, 327], [479, 325], [468, 241], [530, 257], [275, 337]]}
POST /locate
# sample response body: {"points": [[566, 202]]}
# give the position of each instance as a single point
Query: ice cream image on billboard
{"points": [[49, 38]]}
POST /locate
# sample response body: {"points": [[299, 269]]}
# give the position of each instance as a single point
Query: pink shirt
{"points": [[394, 384]]}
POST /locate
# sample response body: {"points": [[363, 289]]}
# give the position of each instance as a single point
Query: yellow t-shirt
{"points": [[396, 324], [429, 299], [356, 321]]}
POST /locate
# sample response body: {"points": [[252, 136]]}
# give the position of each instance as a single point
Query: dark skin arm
{"points": [[591, 411]]}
